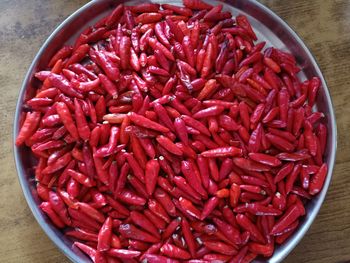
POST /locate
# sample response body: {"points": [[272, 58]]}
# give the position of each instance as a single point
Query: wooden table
{"points": [[324, 25]]}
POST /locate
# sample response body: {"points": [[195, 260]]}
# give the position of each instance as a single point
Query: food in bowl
{"points": [[169, 132]]}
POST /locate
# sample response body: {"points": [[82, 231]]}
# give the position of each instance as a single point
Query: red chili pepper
{"points": [[91, 212], [283, 172], [169, 145], [158, 29], [280, 143], [317, 180], [138, 151], [82, 234], [130, 231], [124, 254], [28, 128], [129, 197], [174, 252], [144, 8], [147, 18], [108, 85], [105, 235], [189, 208], [151, 175], [58, 164], [157, 45], [87, 250], [143, 222], [102, 174], [220, 247], [174, 224], [146, 123], [246, 224], [138, 186], [292, 214], [59, 207], [67, 119], [82, 125], [165, 200], [222, 152]]}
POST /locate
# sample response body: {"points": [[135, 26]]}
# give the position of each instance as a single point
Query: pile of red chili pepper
{"points": [[170, 133]]}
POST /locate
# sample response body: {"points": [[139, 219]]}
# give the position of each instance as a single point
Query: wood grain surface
{"points": [[324, 25]]}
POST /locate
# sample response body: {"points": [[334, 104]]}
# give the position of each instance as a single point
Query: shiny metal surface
{"points": [[269, 27]]}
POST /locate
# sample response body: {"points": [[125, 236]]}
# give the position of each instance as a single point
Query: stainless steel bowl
{"points": [[269, 27]]}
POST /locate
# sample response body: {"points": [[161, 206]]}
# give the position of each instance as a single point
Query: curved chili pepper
{"points": [[220, 247], [105, 235], [158, 29]]}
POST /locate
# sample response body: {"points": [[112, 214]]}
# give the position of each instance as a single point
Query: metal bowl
{"points": [[268, 26]]}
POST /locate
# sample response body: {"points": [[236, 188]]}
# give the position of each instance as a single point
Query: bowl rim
{"points": [[63, 247]]}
